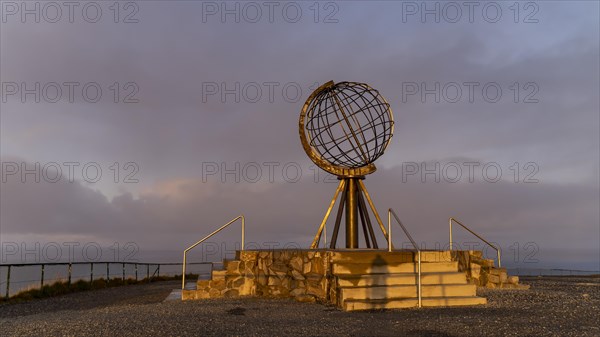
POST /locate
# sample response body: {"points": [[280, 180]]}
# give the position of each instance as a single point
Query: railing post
{"points": [[450, 224], [123, 278], [70, 270], [42, 281], [183, 271], [419, 276], [499, 263], [158, 271], [107, 272], [389, 230], [8, 281], [136, 277], [243, 231], [91, 272], [416, 247]]}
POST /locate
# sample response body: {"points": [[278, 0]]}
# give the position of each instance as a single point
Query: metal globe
{"points": [[349, 124]]}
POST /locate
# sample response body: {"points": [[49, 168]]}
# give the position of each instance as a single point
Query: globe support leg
{"points": [[315, 243], [352, 214], [351, 188], [368, 197], [338, 219], [367, 220]]}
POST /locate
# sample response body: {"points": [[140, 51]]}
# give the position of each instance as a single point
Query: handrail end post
{"points": [[419, 276], [499, 263], [450, 231], [183, 271], [243, 230], [389, 230]]}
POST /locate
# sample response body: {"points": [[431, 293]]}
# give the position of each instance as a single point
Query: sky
{"points": [[155, 122]]}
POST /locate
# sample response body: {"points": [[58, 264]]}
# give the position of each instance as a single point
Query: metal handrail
{"points": [[480, 238], [207, 237], [390, 213]]}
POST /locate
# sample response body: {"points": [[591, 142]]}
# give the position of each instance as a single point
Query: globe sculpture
{"points": [[349, 124], [344, 127]]}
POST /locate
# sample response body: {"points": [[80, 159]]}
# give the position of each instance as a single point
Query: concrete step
{"points": [[380, 257], [401, 279], [218, 274], [435, 256], [374, 268], [406, 291], [398, 303], [190, 285]]}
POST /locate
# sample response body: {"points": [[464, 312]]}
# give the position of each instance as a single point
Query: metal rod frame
{"points": [[363, 215], [204, 239], [477, 235], [362, 188]]}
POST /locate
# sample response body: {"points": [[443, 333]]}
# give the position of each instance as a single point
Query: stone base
{"points": [[355, 279], [272, 273], [483, 273]]}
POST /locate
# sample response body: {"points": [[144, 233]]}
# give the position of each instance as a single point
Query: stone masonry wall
{"points": [[269, 273], [284, 273], [481, 271]]}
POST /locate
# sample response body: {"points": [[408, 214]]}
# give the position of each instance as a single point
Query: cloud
{"points": [[175, 212], [173, 132]]}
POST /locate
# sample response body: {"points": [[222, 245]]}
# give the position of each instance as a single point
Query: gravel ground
{"points": [[552, 307]]}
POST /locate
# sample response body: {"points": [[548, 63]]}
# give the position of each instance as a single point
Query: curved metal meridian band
{"points": [[315, 156]]}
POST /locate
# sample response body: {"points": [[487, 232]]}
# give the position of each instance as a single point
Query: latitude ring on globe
{"points": [[344, 127]]}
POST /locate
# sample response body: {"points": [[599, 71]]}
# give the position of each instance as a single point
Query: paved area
{"points": [[552, 307]]}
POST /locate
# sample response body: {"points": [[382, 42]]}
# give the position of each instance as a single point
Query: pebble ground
{"points": [[554, 306]]}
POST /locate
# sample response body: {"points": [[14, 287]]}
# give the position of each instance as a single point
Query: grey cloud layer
{"points": [[171, 132], [169, 216]]}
